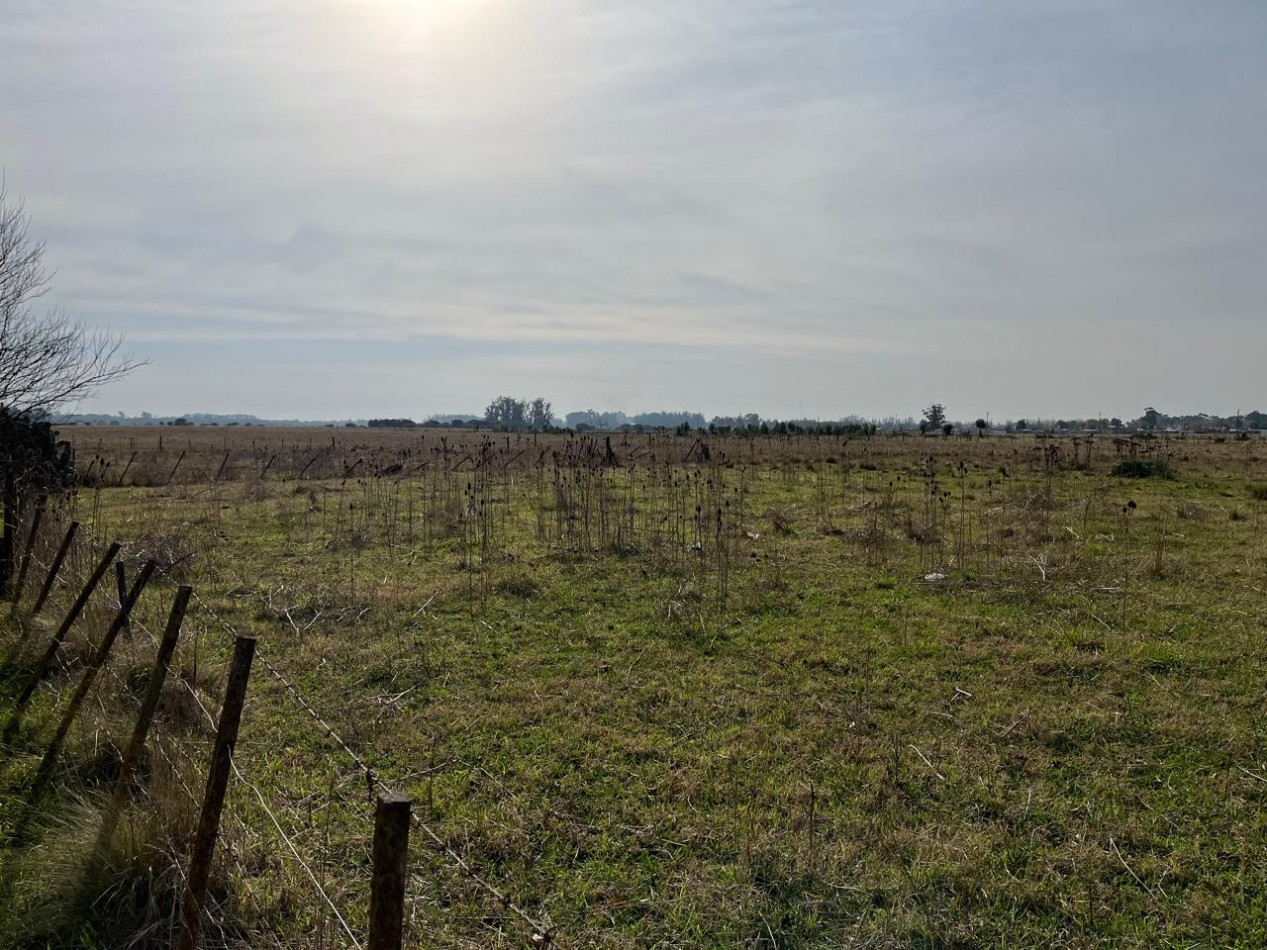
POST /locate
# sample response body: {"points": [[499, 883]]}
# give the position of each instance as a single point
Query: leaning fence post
{"points": [[126, 468], [174, 467], [195, 895], [121, 582], [57, 566], [41, 668], [85, 684], [390, 857], [154, 691], [30, 549]]}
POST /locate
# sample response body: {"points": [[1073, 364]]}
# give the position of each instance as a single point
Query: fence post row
{"points": [[30, 549], [154, 692], [85, 684], [57, 566], [195, 895], [41, 668], [390, 860]]}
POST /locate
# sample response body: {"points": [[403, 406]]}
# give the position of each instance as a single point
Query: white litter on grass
{"points": [[933, 578]]}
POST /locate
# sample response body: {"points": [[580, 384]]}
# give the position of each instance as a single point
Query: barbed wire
{"points": [[225, 841], [541, 932], [158, 749], [211, 721], [289, 844], [545, 933], [176, 771]]}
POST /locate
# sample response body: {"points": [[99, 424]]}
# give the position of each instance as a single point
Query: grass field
{"points": [[677, 691]]}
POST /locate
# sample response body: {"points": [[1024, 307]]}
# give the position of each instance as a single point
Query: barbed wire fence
{"points": [[277, 852]]}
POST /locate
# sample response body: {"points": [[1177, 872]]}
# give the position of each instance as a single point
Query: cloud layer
{"points": [[794, 207]]}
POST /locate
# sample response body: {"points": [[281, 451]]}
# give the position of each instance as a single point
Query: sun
{"points": [[435, 29]]}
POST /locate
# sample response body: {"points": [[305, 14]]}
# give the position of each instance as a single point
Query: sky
{"points": [[353, 208]]}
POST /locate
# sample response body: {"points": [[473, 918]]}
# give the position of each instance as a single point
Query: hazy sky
{"points": [[369, 207]]}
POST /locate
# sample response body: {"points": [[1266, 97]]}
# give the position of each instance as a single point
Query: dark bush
{"points": [[1142, 468]]}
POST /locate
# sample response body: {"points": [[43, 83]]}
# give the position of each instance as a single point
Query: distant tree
{"points": [[981, 425], [947, 428], [506, 412], [1021, 425], [668, 419], [1152, 418], [923, 426], [935, 415], [540, 415], [392, 424]]}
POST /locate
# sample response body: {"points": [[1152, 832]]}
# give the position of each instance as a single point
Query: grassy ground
{"points": [[889, 692]]}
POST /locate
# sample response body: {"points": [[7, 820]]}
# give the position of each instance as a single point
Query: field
{"points": [[667, 690]]}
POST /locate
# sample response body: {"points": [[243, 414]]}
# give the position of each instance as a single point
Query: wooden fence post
{"points": [[30, 549], [195, 895], [174, 467], [57, 566], [390, 860], [153, 692], [121, 582], [126, 469], [41, 668], [85, 683]]}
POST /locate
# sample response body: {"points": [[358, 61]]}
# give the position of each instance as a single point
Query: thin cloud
{"points": [[933, 195]]}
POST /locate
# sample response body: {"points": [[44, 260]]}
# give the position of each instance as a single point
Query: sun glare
{"points": [[442, 38]]}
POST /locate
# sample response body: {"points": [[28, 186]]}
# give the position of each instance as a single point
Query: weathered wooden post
{"points": [[126, 469], [30, 549], [195, 895], [85, 683], [390, 862], [307, 465], [174, 467], [45, 661], [153, 692], [121, 583], [57, 566]]}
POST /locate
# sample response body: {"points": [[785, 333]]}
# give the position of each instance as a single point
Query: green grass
{"points": [[790, 737]]}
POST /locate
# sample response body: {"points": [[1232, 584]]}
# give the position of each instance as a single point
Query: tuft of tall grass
{"points": [[127, 897]]}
